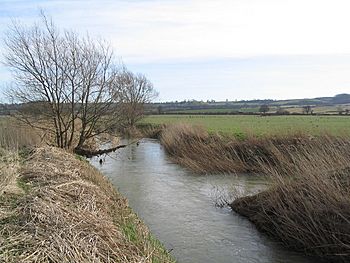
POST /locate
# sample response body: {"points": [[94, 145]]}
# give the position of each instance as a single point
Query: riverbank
{"points": [[193, 226], [57, 208], [194, 148], [307, 208]]}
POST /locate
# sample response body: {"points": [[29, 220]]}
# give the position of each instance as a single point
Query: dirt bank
{"points": [[57, 208]]}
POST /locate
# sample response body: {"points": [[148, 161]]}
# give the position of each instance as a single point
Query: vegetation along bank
{"points": [[58, 208], [307, 206]]}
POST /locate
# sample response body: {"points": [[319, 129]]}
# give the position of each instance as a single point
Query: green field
{"points": [[243, 125]]}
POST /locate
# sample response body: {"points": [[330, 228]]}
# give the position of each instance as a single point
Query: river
{"points": [[180, 208]]}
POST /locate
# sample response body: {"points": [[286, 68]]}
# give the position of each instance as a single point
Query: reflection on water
{"points": [[178, 207]]}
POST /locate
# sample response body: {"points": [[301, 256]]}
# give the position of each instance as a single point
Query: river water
{"points": [[180, 208]]}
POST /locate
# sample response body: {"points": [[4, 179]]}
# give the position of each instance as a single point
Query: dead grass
{"points": [[152, 131], [14, 135], [71, 213], [192, 147], [308, 208], [17, 136]]}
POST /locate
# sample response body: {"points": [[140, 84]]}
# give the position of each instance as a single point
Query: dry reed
{"points": [[308, 208], [194, 148], [14, 135], [152, 131], [71, 213]]}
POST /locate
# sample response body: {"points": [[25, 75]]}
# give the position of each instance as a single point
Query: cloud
{"points": [[215, 48], [146, 31], [274, 77]]}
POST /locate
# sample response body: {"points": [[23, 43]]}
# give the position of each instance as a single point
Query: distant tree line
{"points": [[244, 104]]}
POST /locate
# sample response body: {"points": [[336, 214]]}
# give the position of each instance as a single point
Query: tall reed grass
{"points": [[192, 147], [308, 208], [15, 135]]}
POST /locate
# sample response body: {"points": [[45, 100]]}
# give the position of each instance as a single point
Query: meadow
{"points": [[246, 125]]}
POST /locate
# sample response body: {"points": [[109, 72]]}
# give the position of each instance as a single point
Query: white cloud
{"points": [[226, 28], [178, 29], [153, 34]]}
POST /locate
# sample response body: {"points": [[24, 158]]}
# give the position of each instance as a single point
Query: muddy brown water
{"points": [[180, 208]]}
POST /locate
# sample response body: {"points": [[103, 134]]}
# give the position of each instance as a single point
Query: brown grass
{"points": [[14, 135], [69, 212], [308, 208], [194, 148], [9, 164], [152, 131]]}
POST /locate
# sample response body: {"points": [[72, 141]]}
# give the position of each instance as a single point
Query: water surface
{"points": [[179, 208]]}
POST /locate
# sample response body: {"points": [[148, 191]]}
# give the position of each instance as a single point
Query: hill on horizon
{"points": [[327, 105]]}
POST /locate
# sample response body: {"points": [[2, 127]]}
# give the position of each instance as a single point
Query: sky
{"points": [[212, 49]]}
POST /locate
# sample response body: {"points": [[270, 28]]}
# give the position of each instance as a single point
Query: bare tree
{"points": [[307, 109], [340, 110], [282, 111], [133, 91], [63, 81], [264, 108]]}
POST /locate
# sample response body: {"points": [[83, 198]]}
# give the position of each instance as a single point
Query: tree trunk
{"points": [[89, 153]]}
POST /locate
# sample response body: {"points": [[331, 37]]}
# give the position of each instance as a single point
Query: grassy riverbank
{"points": [[57, 208], [307, 208], [201, 152]]}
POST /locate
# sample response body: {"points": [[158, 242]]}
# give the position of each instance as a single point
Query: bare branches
{"points": [[63, 81], [133, 91]]}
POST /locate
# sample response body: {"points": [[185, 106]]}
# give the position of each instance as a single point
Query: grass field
{"points": [[242, 126]]}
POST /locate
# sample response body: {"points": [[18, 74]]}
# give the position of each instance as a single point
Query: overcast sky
{"points": [[214, 49]]}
